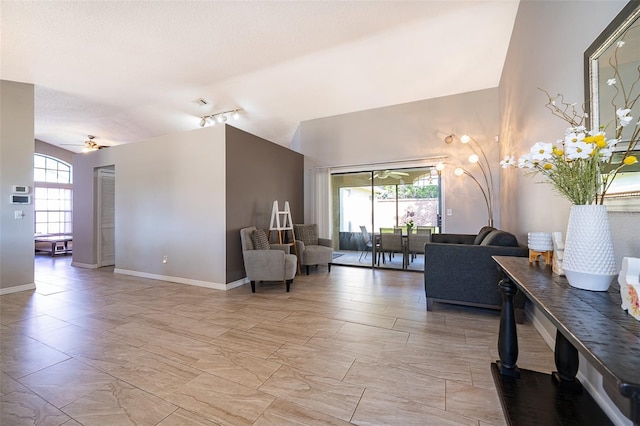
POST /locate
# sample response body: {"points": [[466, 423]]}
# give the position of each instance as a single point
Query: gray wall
{"points": [[16, 168], [412, 131], [258, 172]]}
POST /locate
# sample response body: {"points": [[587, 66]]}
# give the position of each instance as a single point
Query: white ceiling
{"points": [[126, 71]]}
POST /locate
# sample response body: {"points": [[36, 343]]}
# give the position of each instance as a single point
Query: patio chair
{"points": [[366, 239], [391, 243], [416, 243]]}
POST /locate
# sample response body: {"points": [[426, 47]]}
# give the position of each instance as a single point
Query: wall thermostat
{"points": [[20, 199], [20, 189]]}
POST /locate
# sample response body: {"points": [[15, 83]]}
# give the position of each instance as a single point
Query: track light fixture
{"points": [[220, 117]]}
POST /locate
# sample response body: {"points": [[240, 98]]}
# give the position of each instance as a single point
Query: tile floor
{"points": [[354, 258], [354, 346]]}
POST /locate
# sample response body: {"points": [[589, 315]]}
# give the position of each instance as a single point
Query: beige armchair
{"points": [[264, 261], [312, 250]]}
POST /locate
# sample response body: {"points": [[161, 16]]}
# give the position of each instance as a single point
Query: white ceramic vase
{"points": [[589, 263]]}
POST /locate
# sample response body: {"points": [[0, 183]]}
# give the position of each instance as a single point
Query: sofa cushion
{"points": [[500, 238], [315, 255], [308, 234], [484, 231], [260, 240]]}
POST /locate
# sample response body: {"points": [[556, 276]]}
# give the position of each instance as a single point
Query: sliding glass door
{"points": [[352, 195], [367, 204]]}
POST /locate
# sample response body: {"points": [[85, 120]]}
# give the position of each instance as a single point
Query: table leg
{"points": [[508, 337], [567, 363]]}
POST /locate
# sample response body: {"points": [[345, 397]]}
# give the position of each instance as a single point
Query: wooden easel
{"points": [[281, 223]]}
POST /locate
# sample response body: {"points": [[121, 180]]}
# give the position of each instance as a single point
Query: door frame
{"points": [[102, 172]]}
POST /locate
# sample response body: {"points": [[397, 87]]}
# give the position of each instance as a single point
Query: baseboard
{"points": [[530, 313], [85, 265], [237, 283], [17, 288], [181, 280]]}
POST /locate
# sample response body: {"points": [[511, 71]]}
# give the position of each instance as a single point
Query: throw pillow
{"points": [[308, 234], [260, 240], [484, 231], [500, 238]]}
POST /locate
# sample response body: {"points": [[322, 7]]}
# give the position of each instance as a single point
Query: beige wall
{"points": [[169, 202], [53, 151], [16, 168], [547, 52], [412, 131], [553, 60], [185, 196]]}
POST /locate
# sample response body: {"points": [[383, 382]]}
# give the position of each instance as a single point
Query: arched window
{"points": [[53, 195]]}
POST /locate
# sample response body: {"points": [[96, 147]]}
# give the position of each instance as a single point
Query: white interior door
{"points": [[106, 217]]}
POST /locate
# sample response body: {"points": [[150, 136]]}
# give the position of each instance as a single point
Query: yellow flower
{"points": [[630, 160], [558, 152], [599, 140], [548, 166]]}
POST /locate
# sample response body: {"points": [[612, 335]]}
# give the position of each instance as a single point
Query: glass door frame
{"points": [[419, 185]]}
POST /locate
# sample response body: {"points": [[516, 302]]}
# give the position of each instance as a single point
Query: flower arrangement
{"points": [[583, 164], [409, 220]]}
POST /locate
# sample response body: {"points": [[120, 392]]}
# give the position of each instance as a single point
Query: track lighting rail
{"points": [[220, 117]]}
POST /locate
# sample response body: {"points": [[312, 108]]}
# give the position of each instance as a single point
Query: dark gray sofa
{"points": [[458, 268]]}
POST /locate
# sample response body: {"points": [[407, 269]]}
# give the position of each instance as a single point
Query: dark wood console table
{"points": [[589, 323]]}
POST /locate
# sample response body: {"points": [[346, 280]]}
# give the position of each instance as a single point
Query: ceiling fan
{"points": [[89, 144], [384, 174]]}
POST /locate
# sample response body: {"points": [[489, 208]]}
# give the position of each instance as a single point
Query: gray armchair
{"points": [[312, 250], [264, 261]]}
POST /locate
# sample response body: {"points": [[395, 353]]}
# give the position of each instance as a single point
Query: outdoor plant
{"points": [[409, 219]]}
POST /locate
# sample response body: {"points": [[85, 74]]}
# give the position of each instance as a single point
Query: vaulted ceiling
{"points": [[126, 71]]}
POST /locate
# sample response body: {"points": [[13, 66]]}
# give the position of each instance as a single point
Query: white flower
{"points": [[508, 161], [623, 116], [574, 137], [604, 154], [578, 150], [541, 151], [611, 81], [583, 157], [525, 161]]}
